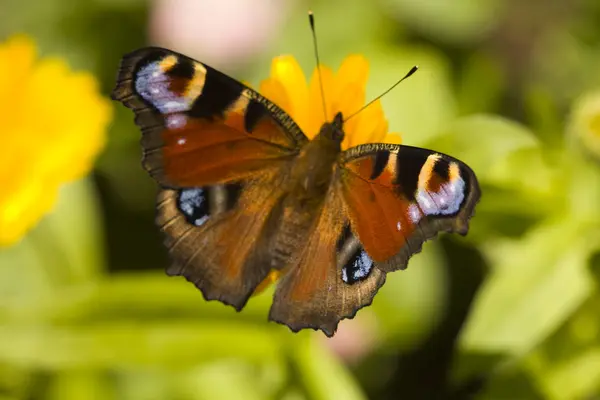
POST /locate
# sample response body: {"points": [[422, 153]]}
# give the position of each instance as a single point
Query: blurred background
{"points": [[512, 311]]}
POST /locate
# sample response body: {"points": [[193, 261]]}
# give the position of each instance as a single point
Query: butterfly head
{"points": [[333, 131]]}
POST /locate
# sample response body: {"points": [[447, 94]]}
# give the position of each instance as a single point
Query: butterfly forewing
{"points": [[400, 196], [200, 126]]}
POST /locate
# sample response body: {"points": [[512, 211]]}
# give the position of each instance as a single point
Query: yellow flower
{"points": [[344, 92], [585, 121], [53, 126]]}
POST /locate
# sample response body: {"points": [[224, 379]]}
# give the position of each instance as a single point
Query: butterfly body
{"points": [[245, 192]]}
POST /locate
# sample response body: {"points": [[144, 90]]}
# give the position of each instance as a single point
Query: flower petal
{"points": [[350, 100], [354, 70], [317, 119], [16, 60], [350, 86], [268, 281], [56, 128], [274, 90], [392, 138], [344, 92], [287, 71], [370, 126]]}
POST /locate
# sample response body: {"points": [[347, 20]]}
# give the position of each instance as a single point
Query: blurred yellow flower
{"points": [[344, 92], [585, 121], [53, 126]]}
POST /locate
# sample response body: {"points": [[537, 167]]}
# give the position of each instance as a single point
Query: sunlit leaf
{"points": [[483, 141], [411, 301], [575, 376], [64, 249], [79, 384], [226, 379], [136, 343], [536, 283], [455, 21]]}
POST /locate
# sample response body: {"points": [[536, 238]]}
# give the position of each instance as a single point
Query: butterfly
{"points": [[244, 192]]}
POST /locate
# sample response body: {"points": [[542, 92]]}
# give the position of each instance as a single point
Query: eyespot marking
{"points": [[152, 82], [193, 204], [450, 194], [358, 268]]}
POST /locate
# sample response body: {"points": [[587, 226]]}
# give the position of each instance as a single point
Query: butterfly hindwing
{"points": [[199, 126], [216, 235], [400, 196], [331, 278]]}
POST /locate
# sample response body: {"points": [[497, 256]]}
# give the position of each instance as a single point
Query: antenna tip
{"points": [[412, 71], [311, 18]]}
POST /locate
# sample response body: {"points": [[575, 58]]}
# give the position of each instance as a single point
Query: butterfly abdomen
{"points": [[293, 226]]}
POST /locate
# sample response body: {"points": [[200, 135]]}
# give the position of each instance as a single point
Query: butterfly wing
{"points": [[198, 125], [400, 196], [331, 278], [216, 235], [385, 201], [219, 149]]}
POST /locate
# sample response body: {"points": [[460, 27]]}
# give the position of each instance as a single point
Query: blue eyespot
{"points": [[194, 205], [358, 267]]}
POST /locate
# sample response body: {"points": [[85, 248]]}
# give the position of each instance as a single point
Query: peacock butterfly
{"points": [[244, 192]]}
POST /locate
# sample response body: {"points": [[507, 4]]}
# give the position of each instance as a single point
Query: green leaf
{"points": [[565, 364], [135, 343], [455, 21], [512, 382], [65, 248], [582, 188], [484, 142], [76, 228], [229, 379], [143, 296], [79, 384], [576, 378], [536, 284], [411, 301]]}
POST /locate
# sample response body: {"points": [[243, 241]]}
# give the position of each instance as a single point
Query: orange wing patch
{"points": [[379, 216], [204, 152]]}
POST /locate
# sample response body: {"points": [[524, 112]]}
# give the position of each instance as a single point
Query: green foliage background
{"points": [[512, 311]]}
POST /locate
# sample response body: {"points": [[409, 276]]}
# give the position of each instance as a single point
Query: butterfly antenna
{"points": [[311, 19], [412, 71]]}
